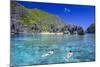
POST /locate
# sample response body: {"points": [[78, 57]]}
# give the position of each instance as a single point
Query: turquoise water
{"points": [[29, 49]]}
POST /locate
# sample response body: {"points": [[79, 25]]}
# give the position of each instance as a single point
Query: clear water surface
{"points": [[29, 49]]}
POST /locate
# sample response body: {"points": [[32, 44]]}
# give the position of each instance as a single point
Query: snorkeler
{"points": [[47, 54], [69, 54]]}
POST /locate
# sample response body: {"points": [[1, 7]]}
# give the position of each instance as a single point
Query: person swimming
{"points": [[69, 54], [47, 54]]}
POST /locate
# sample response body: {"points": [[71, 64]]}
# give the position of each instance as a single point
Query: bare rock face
{"points": [[73, 29]]}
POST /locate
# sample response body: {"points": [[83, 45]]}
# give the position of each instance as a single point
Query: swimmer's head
{"points": [[52, 50], [70, 51]]}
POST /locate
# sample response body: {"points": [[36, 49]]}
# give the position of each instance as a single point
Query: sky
{"points": [[81, 15]]}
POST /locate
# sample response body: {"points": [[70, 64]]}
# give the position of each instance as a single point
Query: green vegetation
{"points": [[91, 28], [24, 20], [30, 17]]}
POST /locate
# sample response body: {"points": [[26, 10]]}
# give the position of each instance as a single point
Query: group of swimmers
{"points": [[68, 55]]}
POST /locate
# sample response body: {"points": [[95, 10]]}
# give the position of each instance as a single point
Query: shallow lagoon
{"points": [[28, 49]]}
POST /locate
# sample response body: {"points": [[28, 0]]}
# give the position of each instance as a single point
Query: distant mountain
{"points": [[91, 28], [24, 20]]}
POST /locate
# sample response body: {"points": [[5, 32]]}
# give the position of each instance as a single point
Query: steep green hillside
{"points": [[35, 18]]}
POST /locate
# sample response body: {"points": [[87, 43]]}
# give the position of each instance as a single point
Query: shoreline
{"points": [[60, 33], [42, 33]]}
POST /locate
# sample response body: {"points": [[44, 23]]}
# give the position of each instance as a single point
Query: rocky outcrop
{"points": [[91, 28], [73, 29], [33, 20]]}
